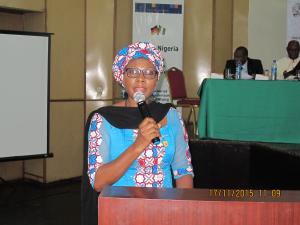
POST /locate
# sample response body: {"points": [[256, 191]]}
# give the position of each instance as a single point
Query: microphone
{"points": [[139, 98]]}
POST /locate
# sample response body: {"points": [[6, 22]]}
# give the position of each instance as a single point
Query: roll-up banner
{"points": [[161, 23], [293, 20]]}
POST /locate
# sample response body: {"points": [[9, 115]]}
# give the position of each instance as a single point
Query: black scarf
{"points": [[130, 117]]}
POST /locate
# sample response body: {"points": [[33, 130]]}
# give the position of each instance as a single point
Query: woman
{"points": [[120, 148]]}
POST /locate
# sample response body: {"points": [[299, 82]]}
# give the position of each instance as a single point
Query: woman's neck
{"points": [[129, 102]]}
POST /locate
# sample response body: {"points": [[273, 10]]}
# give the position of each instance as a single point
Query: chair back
{"points": [[176, 83]]}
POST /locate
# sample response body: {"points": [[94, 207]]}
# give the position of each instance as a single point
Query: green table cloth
{"points": [[250, 110]]}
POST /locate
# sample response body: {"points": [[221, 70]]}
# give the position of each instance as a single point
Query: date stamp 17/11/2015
{"points": [[244, 193]]}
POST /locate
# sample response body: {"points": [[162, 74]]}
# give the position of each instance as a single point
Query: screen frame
{"points": [[47, 154]]}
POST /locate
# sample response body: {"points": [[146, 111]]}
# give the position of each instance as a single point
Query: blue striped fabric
{"points": [[158, 8]]}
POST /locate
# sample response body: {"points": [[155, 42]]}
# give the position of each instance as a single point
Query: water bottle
{"points": [[274, 70], [123, 93], [238, 70], [267, 73]]}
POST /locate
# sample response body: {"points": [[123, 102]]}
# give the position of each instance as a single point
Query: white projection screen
{"points": [[24, 95]]}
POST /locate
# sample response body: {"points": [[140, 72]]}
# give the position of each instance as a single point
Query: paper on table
{"points": [[261, 77], [216, 76], [291, 78]]}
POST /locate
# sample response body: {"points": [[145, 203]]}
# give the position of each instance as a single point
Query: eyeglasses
{"points": [[136, 72]]}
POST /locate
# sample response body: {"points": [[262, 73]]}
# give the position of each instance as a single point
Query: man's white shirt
{"points": [[286, 64], [244, 72]]}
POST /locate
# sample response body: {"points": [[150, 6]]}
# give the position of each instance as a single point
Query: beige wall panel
{"points": [[35, 22], [11, 21], [240, 23], [93, 105], [34, 169], [32, 5], [99, 48], [123, 32], [11, 170], [197, 43], [66, 20], [267, 30], [222, 34], [66, 140], [123, 29]]}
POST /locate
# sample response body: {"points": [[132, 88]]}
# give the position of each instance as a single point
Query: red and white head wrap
{"points": [[135, 51]]}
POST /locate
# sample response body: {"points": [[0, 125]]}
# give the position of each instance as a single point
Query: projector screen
{"points": [[24, 95]]}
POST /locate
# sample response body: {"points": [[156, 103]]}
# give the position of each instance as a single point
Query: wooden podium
{"points": [[145, 206]]}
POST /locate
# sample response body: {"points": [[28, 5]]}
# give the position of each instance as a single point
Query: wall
{"points": [[197, 39], [67, 22], [30, 5], [240, 23], [267, 30], [99, 52], [123, 25], [222, 34], [11, 21]]}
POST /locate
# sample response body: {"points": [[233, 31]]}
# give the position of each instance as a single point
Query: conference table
{"points": [[250, 110]]}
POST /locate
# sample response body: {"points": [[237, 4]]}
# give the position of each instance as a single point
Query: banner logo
{"points": [[157, 30], [296, 9]]}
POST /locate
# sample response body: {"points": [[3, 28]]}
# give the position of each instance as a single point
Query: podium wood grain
{"points": [[145, 206]]}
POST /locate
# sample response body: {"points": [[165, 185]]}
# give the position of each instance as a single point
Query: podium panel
{"points": [[145, 206]]}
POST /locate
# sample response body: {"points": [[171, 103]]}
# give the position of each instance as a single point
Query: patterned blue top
{"points": [[153, 167]]}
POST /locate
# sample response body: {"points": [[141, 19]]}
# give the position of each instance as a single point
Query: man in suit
{"points": [[289, 65], [249, 67]]}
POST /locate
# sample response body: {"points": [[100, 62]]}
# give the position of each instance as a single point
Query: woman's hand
{"points": [[148, 129]]}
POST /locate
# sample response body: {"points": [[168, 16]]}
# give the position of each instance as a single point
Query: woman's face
{"points": [[140, 75]]}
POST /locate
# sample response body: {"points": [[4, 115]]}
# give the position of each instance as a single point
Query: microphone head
{"points": [[139, 97]]}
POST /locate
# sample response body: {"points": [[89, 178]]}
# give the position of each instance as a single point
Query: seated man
{"points": [[250, 67], [287, 66]]}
